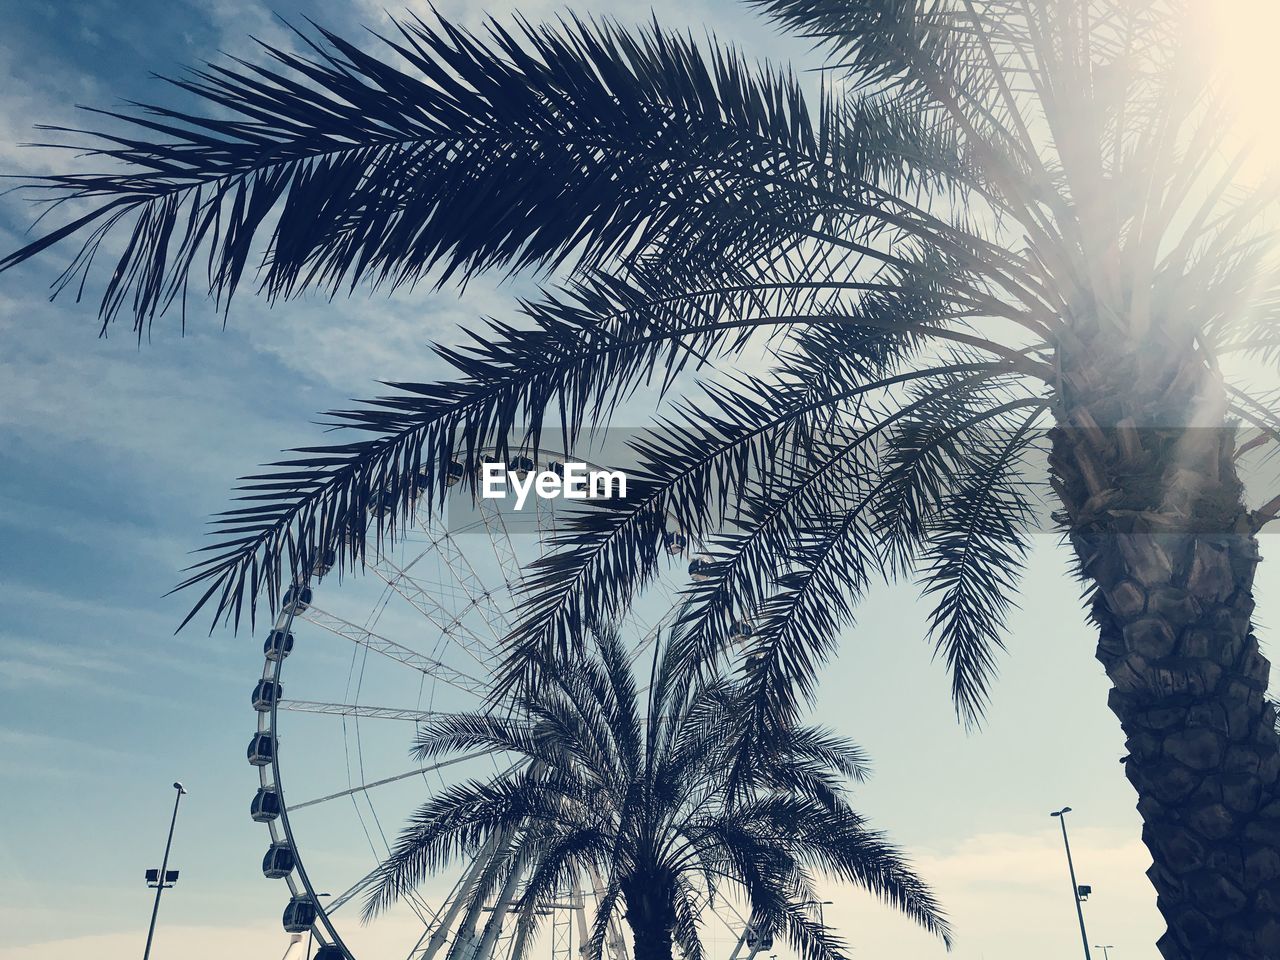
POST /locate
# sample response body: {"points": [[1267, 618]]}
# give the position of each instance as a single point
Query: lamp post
{"points": [[163, 880], [822, 925], [311, 932], [1106, 950], [1075, 888], [819, 904]]}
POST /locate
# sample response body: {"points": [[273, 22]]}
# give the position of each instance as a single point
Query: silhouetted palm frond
{"points": [[1006, 242], [640, 794], [452, 151], [910, 257]]}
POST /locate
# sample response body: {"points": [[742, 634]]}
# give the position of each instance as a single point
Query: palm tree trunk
{"points": [[1158, 524], [651, 916]]}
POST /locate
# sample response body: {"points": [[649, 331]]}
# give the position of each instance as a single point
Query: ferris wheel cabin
{"points": [[265, 806], [299, 914], [265, 695], [278, 862], [278, 645], [261, 750]]}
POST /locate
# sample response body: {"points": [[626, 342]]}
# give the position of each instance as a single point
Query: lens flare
{"points": [[1239, 40]]}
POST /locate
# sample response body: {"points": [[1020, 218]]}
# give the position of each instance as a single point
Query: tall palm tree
{"points": [[632, 792], [1002, 228]]}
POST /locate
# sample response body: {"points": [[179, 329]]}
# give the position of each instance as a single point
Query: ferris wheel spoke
{"points": [[366, 787], [394, 651], [357, 710], [460, 567], [500, 537], [452, 625], [548, 527], [615, 942], [739, 927], [347, 895], [480, 595]]}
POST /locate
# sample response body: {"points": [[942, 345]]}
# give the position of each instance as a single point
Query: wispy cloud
{"points": [[208, 942], [1007, 895], [90, 641], [25, 661]]}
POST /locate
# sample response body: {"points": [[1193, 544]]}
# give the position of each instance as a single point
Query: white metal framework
{"points": [[428, 627]]}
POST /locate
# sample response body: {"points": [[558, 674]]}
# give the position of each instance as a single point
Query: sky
{"points": [[113, 454]]}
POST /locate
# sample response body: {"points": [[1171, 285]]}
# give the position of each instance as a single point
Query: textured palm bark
{"points": [[650, 915], [1158, 524]]}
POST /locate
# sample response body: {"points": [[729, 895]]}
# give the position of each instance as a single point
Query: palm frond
{"points": [[668, 823], [448, 151]]}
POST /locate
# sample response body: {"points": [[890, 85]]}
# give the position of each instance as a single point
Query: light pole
{"points": [[1075, 889], [163, 880], [822, 926], [1106, 950], [311, 931]]}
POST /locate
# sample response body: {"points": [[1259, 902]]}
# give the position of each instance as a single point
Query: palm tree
{"points": [[639, 792], [1004, 228]]}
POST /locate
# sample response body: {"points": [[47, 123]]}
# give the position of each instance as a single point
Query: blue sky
{"points": [[113, 454]]}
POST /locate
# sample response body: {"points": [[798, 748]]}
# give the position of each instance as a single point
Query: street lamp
{"points": [[819, 904], [164, 878], [312, 931], [822, 925], [1078, 893], [1106, 951]]}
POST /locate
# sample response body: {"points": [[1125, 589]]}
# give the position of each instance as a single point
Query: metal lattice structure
{"points": [[428, 625]]}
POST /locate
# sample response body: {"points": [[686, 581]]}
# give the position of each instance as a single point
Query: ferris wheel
{"points": [[420, 635]]}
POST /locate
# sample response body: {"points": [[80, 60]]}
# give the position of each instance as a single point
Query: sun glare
{"points": [[1241, 42]]}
